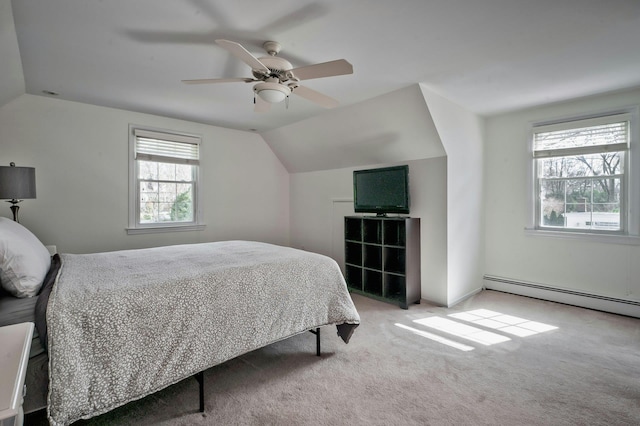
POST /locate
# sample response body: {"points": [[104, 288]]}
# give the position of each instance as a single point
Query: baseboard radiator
{"points": [[570, 297]]}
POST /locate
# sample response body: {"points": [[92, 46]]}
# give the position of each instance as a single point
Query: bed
{"points": [[115, 327]]}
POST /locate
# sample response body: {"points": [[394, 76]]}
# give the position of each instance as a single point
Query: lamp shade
{"points": [[17, 182]]}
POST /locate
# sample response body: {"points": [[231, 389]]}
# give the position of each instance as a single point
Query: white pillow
{"points": [[24, 261]]}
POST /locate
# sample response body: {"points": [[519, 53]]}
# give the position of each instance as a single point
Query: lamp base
{"points": [[14, 209]]}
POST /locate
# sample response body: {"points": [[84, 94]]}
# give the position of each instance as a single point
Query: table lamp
{"points": [[16, 184]]}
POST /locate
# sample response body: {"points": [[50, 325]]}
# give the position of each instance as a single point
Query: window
{"points": [[581, 175], [164, 170]]}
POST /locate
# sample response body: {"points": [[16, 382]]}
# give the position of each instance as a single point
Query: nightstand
{"points": [[14, 356]]}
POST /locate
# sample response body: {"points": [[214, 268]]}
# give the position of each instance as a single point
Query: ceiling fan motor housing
{"points": [[277, 67]]}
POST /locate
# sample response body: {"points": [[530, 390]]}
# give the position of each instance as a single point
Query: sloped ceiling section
{"points": [[11, 75], [390, 128]]}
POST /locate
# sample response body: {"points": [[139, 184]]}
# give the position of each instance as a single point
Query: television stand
{"points": [[382, 258]]}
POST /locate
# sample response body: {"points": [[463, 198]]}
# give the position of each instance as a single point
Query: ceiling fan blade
{"points": [[219, 80], [317, 97], [261, 105], [243, 54], [325, 69]]}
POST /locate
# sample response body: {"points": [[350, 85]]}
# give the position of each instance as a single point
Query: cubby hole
{"points": [[353, 276], [353, 229], [372, 283], [394, 233], [395, 286], [394, 260], [372, 230], [372, 257], [353, 253]]}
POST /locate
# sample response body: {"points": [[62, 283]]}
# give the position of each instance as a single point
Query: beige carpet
{"points": [[563, 366]]}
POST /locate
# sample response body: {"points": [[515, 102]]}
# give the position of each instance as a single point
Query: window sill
{"points": [[163, 229], [598, 238]]}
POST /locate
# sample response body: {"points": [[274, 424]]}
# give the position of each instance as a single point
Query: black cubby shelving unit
{"points": [[382, 258]]}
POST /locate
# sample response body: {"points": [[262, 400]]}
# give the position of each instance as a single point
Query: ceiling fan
{"points": [[276, 78]]}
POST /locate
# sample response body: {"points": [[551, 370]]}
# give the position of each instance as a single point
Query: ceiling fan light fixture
{"points": [[272, 92]]}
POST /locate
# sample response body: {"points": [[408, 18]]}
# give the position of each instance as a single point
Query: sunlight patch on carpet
{"points": [[464, 331], [505, 323], [436, 338], [486, 327]]}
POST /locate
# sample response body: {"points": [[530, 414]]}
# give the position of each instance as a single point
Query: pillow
{"points": [[24, 261]]}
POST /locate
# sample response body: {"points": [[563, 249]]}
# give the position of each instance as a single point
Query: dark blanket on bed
{"points": [[14, 310], [43, 299]]}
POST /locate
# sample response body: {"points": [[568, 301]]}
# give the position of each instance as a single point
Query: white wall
{"points": [[446, 192], [11, 77], [80, 153], [317, 209], [586, 266], [461, 133]]}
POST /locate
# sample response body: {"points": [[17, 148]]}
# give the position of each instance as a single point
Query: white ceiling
{"points": [[360, 135], [489, 56]]}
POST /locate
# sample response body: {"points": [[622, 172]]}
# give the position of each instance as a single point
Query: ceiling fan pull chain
{"points": [[286, 102]]}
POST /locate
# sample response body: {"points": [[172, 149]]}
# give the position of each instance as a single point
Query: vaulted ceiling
{"points": [[489, 56]]}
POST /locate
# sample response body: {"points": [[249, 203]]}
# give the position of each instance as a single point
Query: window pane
{"points": [[552, 202], [590, 203], [609, 163], [148, 192], [578, 195], [182, 208], [167, 192], [148, 170], [167, 171], [164, 212], [148, 212], [184, 172], [148, 202], [166, 202]]}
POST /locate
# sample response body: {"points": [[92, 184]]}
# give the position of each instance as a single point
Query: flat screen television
{"points": [[381, 191]]}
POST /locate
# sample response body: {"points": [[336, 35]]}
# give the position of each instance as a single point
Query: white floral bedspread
{"points": [[125, 324]]}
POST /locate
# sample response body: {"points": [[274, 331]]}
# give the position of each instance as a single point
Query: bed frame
{"points": [[200, 376]]}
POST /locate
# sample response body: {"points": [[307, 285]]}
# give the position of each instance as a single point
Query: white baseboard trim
{"points": [[462, 298], [570, 297]]}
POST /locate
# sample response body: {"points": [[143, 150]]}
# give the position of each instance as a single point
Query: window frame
{"points": [[135, 226], [630, 191]]}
